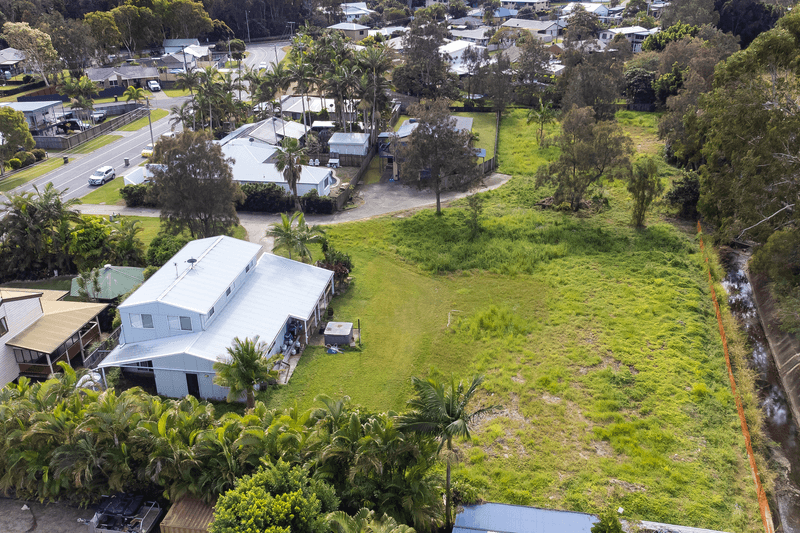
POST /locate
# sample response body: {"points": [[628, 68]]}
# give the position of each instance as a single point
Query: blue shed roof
{"points": [[503, 518]]}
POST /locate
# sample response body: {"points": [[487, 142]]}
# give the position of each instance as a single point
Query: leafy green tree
{"points": [[596, 81], [163, 247], [245, 366], [645, 185], [194, 185], [278, 497], [186, 19], [137, 26], [692, 12], [441, 409], [589, 150], [290, 160], [90, 242], [14, 133], [127, 248], [74, 42], [437, 155], [658, 41], [104, 29], [35, 44], [426, 71], [530, 70]]}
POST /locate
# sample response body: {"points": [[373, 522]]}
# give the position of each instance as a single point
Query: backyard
{"points": [[598, 341]]}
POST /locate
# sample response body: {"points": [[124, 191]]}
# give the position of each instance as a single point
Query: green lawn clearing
{"points": [[96, 143], [155, 114], [61, 283], [597, 340], [151, 226], [373, 174], [174, 93], [24, 176], [107, 194], [643, 129]]}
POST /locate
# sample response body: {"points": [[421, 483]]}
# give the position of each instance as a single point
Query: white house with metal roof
{"points": [[182, 319], [349, 143], [37, 114]]}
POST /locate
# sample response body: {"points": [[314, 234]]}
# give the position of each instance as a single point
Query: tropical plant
{"points": [[245, 366], [290, 160], [136, 94], [81, 91], [441, 409], [542, 117], [365, 521], [89, 285], [294, 235]]}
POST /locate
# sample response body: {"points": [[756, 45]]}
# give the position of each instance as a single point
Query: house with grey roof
{"points": [[122, 76], [480, 35], [184, 317], [634, 34], [352, 11], [544, 30], [37, 114], [354, 31], [11, 61]]}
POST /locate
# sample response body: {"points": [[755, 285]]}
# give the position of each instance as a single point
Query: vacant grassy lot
{"points": [[106, 194], [155, 114], [597, 340]]}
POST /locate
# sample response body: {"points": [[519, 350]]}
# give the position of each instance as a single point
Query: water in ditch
{"points": [[778, 422]]}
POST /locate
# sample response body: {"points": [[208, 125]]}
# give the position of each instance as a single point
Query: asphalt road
{"points": [[265, 53]]}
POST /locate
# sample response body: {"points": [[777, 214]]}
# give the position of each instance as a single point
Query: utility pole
{"points": [[150, 123], [247, 18], [291, 30]]}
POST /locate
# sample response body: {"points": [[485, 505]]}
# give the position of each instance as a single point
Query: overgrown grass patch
{"points": [[29, 174], [96, 143], [136, 125]]}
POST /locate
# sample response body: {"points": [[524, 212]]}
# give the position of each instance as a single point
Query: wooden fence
{"points": [[48, 142], [345, 195]]}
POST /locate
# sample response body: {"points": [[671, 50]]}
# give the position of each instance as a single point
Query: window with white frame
{"points": [[180, 323], [142, 321], [3, 326]]}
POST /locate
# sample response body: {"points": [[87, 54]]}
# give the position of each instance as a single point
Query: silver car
{"points": [[102, 175]]}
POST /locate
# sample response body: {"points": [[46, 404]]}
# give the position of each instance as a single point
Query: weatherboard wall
{"points": [[170, 376], [19, 314]]}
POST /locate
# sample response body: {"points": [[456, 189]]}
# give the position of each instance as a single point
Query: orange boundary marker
{"points": [[766, 515]]}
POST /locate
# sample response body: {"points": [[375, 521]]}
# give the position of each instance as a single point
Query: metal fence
{"points": [[48, 142]]}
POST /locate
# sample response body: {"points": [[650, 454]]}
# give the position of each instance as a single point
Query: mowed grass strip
{"points": [[95, 144], [24, 176], [107, 194], [155, 114]]}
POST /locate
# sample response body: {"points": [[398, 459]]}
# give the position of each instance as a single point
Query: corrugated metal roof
{"points": [[503, 518], [348, 138], [198, 287], [189, 515], [348, 26], [276, 289], [657, 527], [114, 281], [250, 164], [59, 322], [30, 107]]}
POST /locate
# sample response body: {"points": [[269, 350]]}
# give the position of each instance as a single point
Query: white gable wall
{"points": [[19, 315], [172, 383]]}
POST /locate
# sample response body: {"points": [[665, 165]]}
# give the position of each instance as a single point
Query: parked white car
{"points": [[154, 86], [102, 175]]}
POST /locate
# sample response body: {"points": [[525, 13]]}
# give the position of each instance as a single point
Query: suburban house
{"points": [[122, 76], [254, 162], [469, 22], [271, 131], [389, 141], [184, 317], [544, 30], [492, 517], [37, 330], [354, 31], [501, 13], [455, 52], [172, 46], [656, 9], [590, 7], [635, 35], [538, 5], [352, 11], [11, 61], [480, 35], [349, 143], [37, 114], [293, 107], [113, 282], [388, 31]]}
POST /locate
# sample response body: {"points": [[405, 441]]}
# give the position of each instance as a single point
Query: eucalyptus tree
{"points": [[441, 409]]}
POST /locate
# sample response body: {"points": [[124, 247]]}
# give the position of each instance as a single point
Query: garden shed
{"points": [[339, 333], [349, 143], [189, 515]]}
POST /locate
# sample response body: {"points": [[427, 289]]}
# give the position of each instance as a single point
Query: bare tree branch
{"points": [[765, 219]]}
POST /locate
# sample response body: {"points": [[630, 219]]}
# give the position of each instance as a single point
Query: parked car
{"points": [[73, 124], [169, 135], [262, 66], [102, 175], [99, 116], [148, 151], [153, 86], [176, 71]]}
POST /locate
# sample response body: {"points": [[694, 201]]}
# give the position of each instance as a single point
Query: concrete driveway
{"points": [[375, 200], [35, 517]]}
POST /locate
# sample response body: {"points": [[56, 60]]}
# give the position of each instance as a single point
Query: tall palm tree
{"points": [[245, 367], [182, 115], [301, 73], [375, 63], [81, 91], [189, 80], [441, 409], [290, 160], [208, 91], [294, 235], [542, 116]]}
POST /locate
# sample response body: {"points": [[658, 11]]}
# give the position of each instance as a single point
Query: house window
{"points": [[113, 83], [228, 292], [247, 269], [3, 326], [142, 321], [180, 323], [211, 312]]}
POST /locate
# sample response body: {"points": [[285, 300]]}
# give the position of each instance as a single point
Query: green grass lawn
{"points": [[155, 114], [106, 194], [29, 174], [598, 340], [373, 174], [96, 143], [61, 283], [174, 93], [151, 226]]}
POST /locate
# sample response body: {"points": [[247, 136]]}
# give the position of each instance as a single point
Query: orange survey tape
{"points": [[766, 516]]}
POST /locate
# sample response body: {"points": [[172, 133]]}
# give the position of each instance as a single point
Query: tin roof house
{"points": [[184, 317]]}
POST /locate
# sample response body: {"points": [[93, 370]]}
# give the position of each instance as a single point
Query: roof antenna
{"points": [[191, 262], [176, 270]]}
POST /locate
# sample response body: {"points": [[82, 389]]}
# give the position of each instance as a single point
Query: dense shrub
{"points": [[136, 196], [39, 154], [26, 158], [27, 78], [313, 203], [163, 247], [684, 194], [265, 198], [15, 163]]}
